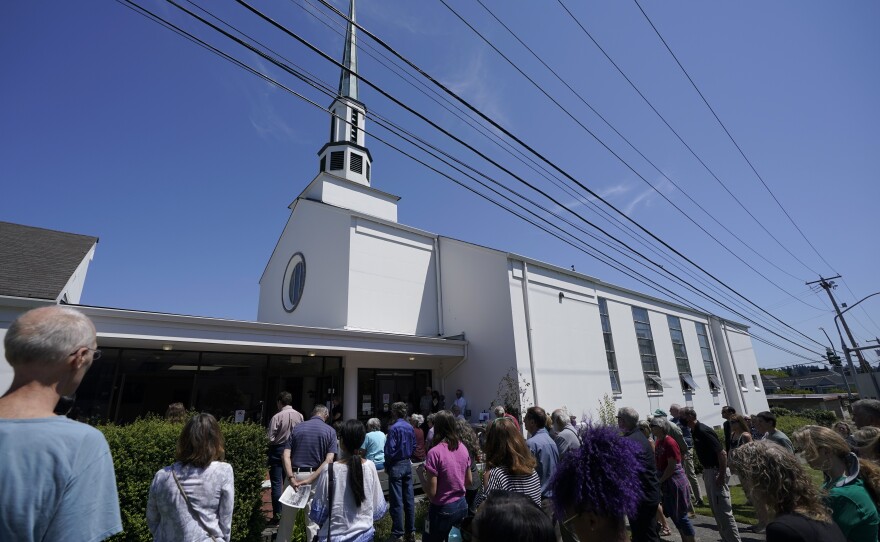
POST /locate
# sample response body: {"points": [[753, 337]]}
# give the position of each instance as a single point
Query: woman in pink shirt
{"points": [[448, 473]]}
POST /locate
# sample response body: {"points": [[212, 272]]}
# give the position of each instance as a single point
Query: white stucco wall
{"points": [[476, 300], [350, 195], [392, 283], [744, 363], [567, 346], [321, 233]]}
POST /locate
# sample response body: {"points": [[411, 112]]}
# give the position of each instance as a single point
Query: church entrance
{"points": [[378, 388]]}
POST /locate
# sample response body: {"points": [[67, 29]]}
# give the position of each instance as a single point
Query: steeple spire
{"points": [[348, 83], [345, 155]]}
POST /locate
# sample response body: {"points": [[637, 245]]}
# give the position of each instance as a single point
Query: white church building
{"points": [[354, 304]]}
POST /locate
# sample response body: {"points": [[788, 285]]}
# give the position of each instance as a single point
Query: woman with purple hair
{"points": [[597, 485]]}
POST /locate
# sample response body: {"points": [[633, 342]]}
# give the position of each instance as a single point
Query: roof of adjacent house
{"points": [[38, 263], [809, 380]]}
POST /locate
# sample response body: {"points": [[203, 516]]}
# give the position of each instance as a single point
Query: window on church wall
{"points": [[646, 350], [337, 160], [323, 163], [609, 346], [708, 360], [368, 171], [680, 351]]}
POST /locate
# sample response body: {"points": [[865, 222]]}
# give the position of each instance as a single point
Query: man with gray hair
{"points": [[866, 412], [309, 449], [500, 412], [566, 438], [57, 474], [643, 524]]}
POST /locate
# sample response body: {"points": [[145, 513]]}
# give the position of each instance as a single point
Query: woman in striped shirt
{"points": [[510, 465]]}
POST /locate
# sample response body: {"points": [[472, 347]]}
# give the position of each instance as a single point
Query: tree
{"points": [[513, 392]]}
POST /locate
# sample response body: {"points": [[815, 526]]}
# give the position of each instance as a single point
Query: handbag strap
{"points": [[190, 507]]}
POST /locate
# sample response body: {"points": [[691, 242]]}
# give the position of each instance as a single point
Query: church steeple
{"points": [[348, 83], [345, 154]]}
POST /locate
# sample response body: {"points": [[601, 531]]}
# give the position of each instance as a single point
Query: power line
{"points": [[683, 142], [624, 162], [729, 135]]}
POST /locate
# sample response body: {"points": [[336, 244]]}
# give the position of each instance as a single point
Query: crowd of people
{"points": [[556, 482]]}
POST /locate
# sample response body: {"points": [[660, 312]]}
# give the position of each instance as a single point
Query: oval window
{"points": [[294, 282]]}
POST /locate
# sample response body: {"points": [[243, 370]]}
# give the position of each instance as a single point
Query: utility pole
{"points": [[834, 360], [828, 285]]}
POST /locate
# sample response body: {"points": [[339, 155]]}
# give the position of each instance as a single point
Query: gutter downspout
{"points": [[440, 331], [528, 316]]}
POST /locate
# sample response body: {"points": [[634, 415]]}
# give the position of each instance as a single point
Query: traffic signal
{"points": [[832, 357]]}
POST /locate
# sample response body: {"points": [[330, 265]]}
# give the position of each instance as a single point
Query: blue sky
{"points": [[184, 164]]}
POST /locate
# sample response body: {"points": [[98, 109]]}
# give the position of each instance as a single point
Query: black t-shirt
{"points": [[706, 444], [797, 528]]}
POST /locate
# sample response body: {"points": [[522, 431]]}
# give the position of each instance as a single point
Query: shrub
{"points": [[817, 415], [145, 446]]}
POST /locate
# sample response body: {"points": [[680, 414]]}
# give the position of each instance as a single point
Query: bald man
{"points": [[56, 474]]}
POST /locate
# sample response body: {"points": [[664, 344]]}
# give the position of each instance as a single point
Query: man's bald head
{"points": [[47, 335]]}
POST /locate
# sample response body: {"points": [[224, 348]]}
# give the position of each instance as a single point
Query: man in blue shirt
{"points": [[546, 453], [309, 449], [398, 449], [56, 474]]}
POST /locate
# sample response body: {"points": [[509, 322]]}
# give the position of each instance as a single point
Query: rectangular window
{"points": [[368, 171], [708, 360], [609, 346], [742, 382], [646, 350], [755, 382], [354, 126], [680, 351], [323, 163]]}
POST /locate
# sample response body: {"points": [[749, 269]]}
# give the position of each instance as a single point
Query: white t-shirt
{"points": [[349, 522]]}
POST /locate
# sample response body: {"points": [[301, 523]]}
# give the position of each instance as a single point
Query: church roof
{"points": [[38, 263]]}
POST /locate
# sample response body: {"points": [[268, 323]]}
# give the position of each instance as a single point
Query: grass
{"points": [[742, 510]]}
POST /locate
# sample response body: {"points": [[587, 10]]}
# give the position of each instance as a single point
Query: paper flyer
{"points": [[295, 497]]}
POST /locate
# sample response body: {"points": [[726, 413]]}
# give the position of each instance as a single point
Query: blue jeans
{"points": [[276, 476], [400, 496], [442, 518]]}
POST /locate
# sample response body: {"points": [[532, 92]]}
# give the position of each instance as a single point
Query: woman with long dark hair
{"points": [[448, 473], [357, 494], [193, 498]]}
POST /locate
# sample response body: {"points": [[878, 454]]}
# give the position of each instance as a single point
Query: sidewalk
{"points": [[707, 531]]}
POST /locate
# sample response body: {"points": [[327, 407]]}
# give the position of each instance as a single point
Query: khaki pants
{"points": [[691, 474], [719, 501], [288, 514]]}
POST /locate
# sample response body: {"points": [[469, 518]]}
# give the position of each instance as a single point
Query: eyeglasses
{"points": [[96, 354]]}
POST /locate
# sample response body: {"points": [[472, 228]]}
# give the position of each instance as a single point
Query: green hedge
{"points": [[818, 416], [145, 446]]}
